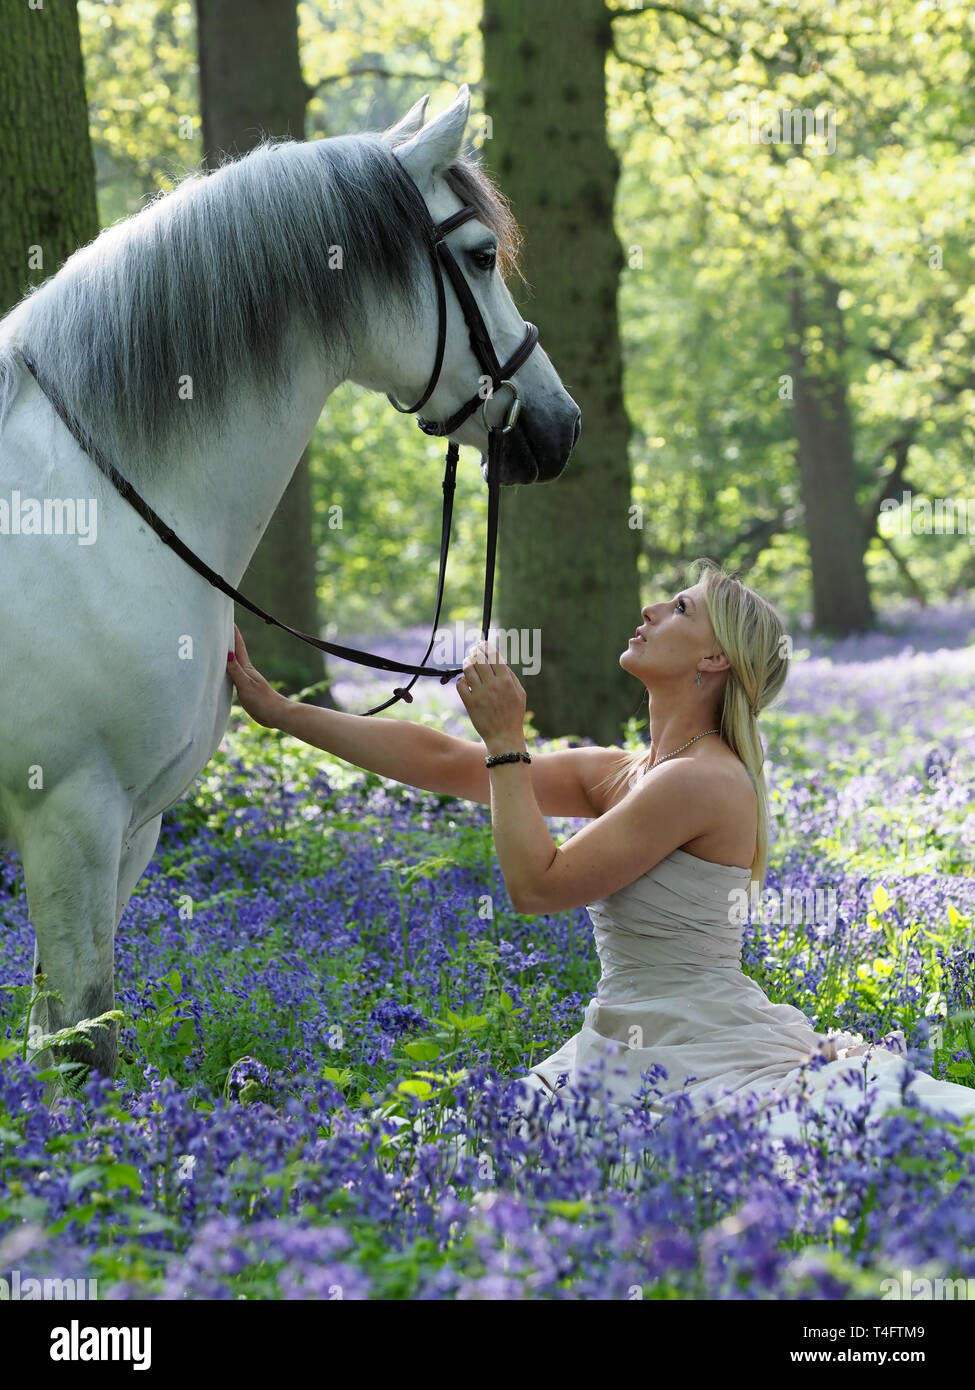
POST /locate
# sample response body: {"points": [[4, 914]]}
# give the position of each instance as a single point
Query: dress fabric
{"points": [[672, 992]]}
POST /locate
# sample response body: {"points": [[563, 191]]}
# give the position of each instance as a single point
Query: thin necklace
{"points": [[683, 746]]}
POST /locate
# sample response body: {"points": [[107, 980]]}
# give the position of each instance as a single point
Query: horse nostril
{"points": [[577, 429]]}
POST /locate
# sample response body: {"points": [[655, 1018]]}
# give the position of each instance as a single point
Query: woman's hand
{"points": [[493, 696], [258, 698]]}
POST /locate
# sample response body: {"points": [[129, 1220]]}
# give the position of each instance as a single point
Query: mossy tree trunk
{"points": [[567, 550], [47, 174], [826, 460]]}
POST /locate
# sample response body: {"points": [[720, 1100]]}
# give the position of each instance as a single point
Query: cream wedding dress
{"points": [[672, 992]]}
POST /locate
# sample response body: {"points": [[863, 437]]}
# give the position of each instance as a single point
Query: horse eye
{"points": [[484, 260]]}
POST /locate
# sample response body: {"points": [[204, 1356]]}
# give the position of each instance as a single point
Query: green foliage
{"points": [[140, 72], [711, 225], [165, 1033], [135, 1216]]}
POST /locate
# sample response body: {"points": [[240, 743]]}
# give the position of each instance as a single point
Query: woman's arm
{"points": [[397, 748], [564, 782]]}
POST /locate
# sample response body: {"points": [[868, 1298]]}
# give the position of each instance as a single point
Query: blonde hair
{"points": [[752, 636]]}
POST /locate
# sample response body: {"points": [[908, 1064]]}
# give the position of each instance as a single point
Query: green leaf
{"points": [[422, 1051], [339, 1200], [26, 1208], [119, 1175], [83, 1176], [79, 1215], [186, 1032], [145, 1219], [340, 1075], [412, 1087], [78, 1032], [571, 1210], [466, 1023]]}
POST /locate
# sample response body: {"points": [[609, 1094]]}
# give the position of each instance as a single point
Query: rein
{"points": [[443, 262]]}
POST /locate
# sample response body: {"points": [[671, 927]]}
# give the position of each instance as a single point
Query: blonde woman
{"points": [[676, 833]]}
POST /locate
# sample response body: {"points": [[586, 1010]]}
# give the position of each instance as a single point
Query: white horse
{"points": [[197, 343]]}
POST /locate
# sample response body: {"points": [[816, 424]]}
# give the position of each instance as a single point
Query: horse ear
{"points": [[439, 142], [409, 125]]}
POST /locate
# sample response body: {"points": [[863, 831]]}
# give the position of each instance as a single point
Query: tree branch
{"points": [[889, 355], [757, 537], [670, 9], [892, 482], [313, 87], [635, 62], [905, 572]]}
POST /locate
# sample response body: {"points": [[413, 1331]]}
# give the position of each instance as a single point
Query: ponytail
{"points": [[751, 634]]}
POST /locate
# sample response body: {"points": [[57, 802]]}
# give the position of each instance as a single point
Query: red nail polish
{"points": [[230, 656]]}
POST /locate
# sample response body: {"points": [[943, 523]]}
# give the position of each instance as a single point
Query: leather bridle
{"points": [[442, 259], [480, 339], [443, 262]]}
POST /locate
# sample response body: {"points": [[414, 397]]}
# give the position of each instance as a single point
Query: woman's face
{"points": [[674, 636]]}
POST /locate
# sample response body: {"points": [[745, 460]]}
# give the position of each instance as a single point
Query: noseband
{"points": [[499, 375]]}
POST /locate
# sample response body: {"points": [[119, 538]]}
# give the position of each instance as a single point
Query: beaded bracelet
{"points": [[506, 758]]}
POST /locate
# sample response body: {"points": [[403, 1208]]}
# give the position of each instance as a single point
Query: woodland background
{"points": [[767, 339]]}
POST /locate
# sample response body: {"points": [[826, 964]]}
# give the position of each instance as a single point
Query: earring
{"points": [[697, 679]]}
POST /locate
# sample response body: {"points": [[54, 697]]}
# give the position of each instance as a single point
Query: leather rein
{"points": [[443, 262]]}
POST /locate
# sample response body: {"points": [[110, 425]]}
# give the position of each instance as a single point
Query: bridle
{"points": [[442, 258], [443, 262], [480, 339]]}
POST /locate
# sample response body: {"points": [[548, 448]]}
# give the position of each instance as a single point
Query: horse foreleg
{"points": [[72, 857]]}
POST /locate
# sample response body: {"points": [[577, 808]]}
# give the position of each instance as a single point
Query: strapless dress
{"points": [[672, 994]]}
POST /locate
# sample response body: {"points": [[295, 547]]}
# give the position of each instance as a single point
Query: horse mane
{"points": [[208, 279]]}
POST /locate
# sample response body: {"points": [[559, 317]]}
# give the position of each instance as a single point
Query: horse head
{"points": [[547, 427]]}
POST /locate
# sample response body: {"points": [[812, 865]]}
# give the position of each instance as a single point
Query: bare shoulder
{"points": [[719, 777], [730, 828], [607, 788], [718, 772], [727, 772], [719, 782]]}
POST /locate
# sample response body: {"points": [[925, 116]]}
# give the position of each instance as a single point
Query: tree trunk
{"points": [[827, 474], [47, 189], [251, 85], [567, 562]]}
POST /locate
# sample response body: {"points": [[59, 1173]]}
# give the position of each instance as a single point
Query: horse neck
{"points": [[222, 497]]}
